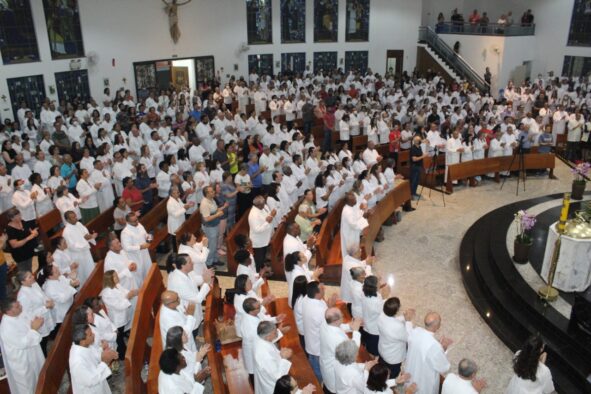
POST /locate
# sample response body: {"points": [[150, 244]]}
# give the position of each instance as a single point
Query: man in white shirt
{"points": [[24, 200], [261, 228], [79, 240], [118, 260], [353, 223], [173, 314], [293, 243], [270, 363], [21, 170], [20, 344], [465, 382], [88, 194], [134, 239], [88, 369], [394, 331], [352, 260], [163, 180], [426, 358], [313, 314], [573, 138], [331, 335], [42, 166], [370, 154]]}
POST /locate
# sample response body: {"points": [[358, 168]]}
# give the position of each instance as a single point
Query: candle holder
{"points": [[548, 292]]}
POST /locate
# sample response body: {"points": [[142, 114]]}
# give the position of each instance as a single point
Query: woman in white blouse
{"points": [[530, 373], [297, 298], [55, 180], [35, 303], [67, 202], [197, 251], [43, 203], [147, 160], [60, 289], [117, 299], [244, 289], [379, 381], [296, 264], [201, 179], [176, 338], [62, 259], [372, 305], [176, 209]]}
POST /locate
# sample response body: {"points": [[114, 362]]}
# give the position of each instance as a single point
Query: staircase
{"points": [[450, 61]]}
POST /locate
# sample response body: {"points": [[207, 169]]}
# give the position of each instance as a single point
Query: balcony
{"points": [[490, 29]]}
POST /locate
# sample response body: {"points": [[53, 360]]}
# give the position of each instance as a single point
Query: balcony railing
{"points": [[489, 29], [454, 60]]}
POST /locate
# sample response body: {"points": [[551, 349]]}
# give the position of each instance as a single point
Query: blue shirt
{"points": [[545, 148], [258, 180], [196, 115], [523, 138], [66, 171]]}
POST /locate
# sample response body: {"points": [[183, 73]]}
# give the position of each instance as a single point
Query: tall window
{"points": [[18, 42], [580, 24]]}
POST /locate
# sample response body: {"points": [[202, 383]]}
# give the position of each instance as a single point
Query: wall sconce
{"points": [[341, 61], [3, 97], [51, 89]]}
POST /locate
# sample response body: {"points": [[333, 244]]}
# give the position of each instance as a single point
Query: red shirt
{"points": [[394, 145], [329, 120], [135, 195], [489, 135]]}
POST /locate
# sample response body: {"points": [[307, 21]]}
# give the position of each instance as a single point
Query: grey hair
{"points": [[356, 272], [265, 328], [467, 368], [346, 352]]}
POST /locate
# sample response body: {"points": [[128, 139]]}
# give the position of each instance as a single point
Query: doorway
{"points": [[394, 61]]}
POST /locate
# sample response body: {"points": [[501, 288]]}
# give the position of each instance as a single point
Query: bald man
{"points": [[426, 358], [173, 314]]}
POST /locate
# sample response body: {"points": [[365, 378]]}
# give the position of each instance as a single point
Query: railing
{"points": [[454, 60], [489, 29]]}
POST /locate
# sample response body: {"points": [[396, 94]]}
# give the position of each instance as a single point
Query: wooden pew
{"points": [[470, 169], [138, 351], [191, 225], [403, 165], [327, 234], [56, 363], [50, 227], [156, 220], [102, 225], [154, 366], [240, 227], [276, 243], [301, 370], [358, 143]]}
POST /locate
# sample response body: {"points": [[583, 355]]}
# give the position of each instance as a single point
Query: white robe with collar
{"points": [[89, 374], [188, 292], [198, 254], [132, 237], [330, 338], [62, 293], [119, 307], [33, 300], [176, 214], [346, 279], [177, 383], [176, 317], [105, 195], [23, 358], [120, 262], [268, 366], [352, 223], [104, 329], [79, 249], [425, 360]]}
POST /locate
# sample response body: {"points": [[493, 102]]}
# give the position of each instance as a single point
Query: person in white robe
{"points": [[172, 314], [176, 209], [103, 328], [353, 223], [530, 363], [170, 378], [350, 376], [426, 359], [270, 363], [331, 335], [59, 289], [182, 282], [79, 240], [65, 201], [43, 202], [62, 259], [393, 331], [118, 260], [21, 350], [89, 369], [176, 338], [105, 195], [453, 151], [243, 290], [197, 251], [296, 264], [465, 382], [293, 243], [6, 189], [496, 148], [136, 242], [351, 260]]}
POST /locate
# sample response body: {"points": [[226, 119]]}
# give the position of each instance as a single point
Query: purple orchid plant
{"points": [[580, 171], [524, 222]]}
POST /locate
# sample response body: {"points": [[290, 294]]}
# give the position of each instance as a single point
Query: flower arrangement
{"points": [[580, 172], [524, 222]]}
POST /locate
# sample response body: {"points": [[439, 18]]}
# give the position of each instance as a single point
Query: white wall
{"points": [[137, 30]]}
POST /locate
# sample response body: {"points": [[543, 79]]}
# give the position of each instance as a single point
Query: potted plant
{"points": [[523, 241], [580, 172]]}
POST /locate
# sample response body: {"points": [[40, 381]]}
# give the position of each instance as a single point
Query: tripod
{"points": [[432, 173], [521, 162]]}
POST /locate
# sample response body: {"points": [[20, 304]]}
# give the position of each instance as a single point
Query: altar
{"points": [[573, 270]]}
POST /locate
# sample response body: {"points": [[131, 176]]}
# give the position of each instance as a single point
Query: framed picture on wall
{"points": [[259, 23], [204, 69], [326, 61], [293, 21], [31, 89], [576, 66], [260, 64], [63, 28], [18, 42], [145, 79], [356, 61], [357, 25], [326, 20], [73, 86], [293, 63]]}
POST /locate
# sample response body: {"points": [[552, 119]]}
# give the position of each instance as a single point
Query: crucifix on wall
{"points": [[171, 8]]}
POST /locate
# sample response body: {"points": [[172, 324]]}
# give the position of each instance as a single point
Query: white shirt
{"points": [[313, 315], [42, 168], [372, 308], [268, 366], [118, 306], [453, 384], [188, 292], [85, 189], [89, 374], [542, 385], [33, 300], [176, 317], [426, 360], [176, 214], [346, 279], [393, 333], [260, 229], [370, 156], [62, 293], [177, 383], [352, 223], [330, 338], [21, 199], [350, 379]]}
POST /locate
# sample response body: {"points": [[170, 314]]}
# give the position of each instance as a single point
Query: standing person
{"points": [[210, 215], [173, 316], [230, 192], [22, 240], [21, 350], [393, 332], [43, 203], [255, 171], [170, 378], [531, 375], [88, 193], [394, 139], [270, 363], [176, 209], [353, 223], [426, 358], [372, 305], [25, 200], [261, 228], [244, 188], [3, 267], [79, 240], [136, 243], [328, 119], [465, 382], [573, 139], [69, 172], [416, 165], [146, 186], [6, 189], [89, 370]]}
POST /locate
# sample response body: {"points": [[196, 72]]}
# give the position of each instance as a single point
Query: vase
{"points": [[578, 189], [521, 252]]}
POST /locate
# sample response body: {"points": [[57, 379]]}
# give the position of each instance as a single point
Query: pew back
{"points": [[241, 227], [50, 227], [191, 225], [155, 221]]}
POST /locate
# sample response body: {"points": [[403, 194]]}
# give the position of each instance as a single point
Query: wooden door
{"points": [[180, 77], [394, 60]]}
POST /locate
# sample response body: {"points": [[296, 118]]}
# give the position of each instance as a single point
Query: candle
{"points": [[564, 213]]}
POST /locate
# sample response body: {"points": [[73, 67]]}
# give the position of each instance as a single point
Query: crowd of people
{"points": [[211, 151]]}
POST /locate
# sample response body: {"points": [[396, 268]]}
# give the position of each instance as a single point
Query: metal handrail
{"points": [[488, 29], [428, 35]]}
